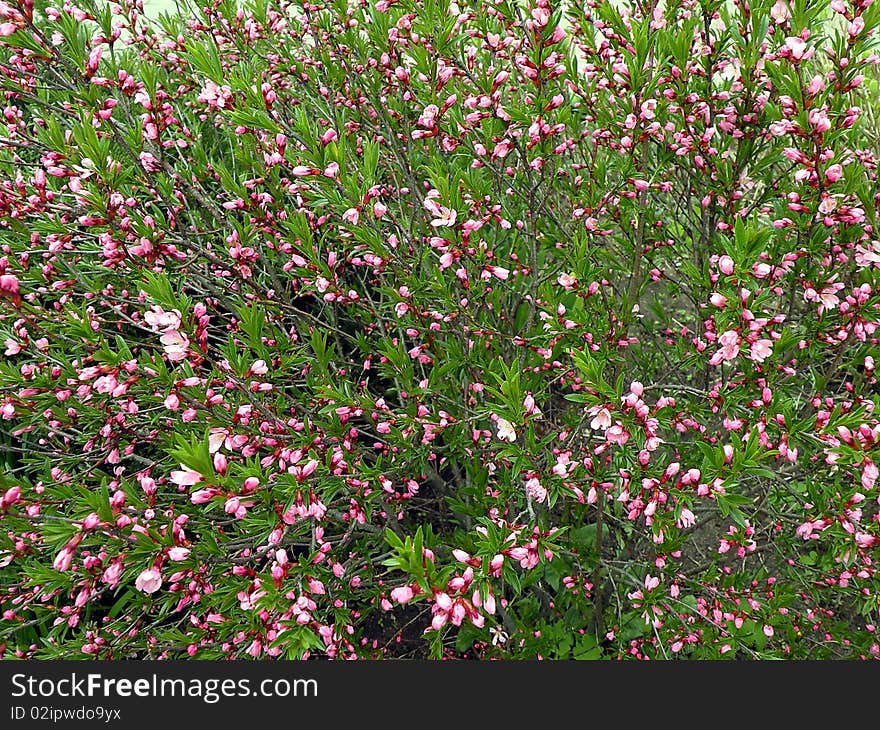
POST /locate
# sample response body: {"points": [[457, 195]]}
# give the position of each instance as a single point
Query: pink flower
{"points": [[186, 477], [566, 281], [214, 95], [687, 519], [780, 12], [176, 345], [601, 419], [797, 48], [870, 473], [11, 497], [445, 217], [725, 265], [530, 405], [536, 490], [216, 437], [617, 435], [178, 553], [817, 84], [761, 350], [202, 496], [834, 173], [819, 120], [63, 559], [9, 284], [304, 171], [149, 581], [729, 342], [113, 573], [428, 118], [857, 26], [403, 594]]}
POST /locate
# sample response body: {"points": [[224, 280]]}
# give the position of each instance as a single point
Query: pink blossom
{"points": [[202, 496], [112, 574], [857, 26], [797, 47], [536, 490], [445, 217], [780, 12], [214, 95], [870, 472], [9, 284], [687, 518], [816, 85], [725, 265], [178, 553], [833, 173], [63, 559], [149, 581], [761, 350], [531, 407], [617, 435], [729, 341], [186, 477], [403, 594], [176, 345], [601, 419]]}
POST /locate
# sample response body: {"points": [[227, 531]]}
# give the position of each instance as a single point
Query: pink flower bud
{"points": [[728, 453], [220, 463]]}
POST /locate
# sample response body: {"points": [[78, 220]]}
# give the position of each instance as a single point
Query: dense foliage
{"points": [[418, 328]]}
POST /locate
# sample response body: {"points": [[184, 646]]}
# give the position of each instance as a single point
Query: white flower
{"points": [[499, 636], [506, 431]]}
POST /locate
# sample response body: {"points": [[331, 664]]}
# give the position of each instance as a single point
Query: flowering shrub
{"points": [[429, 329]]}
